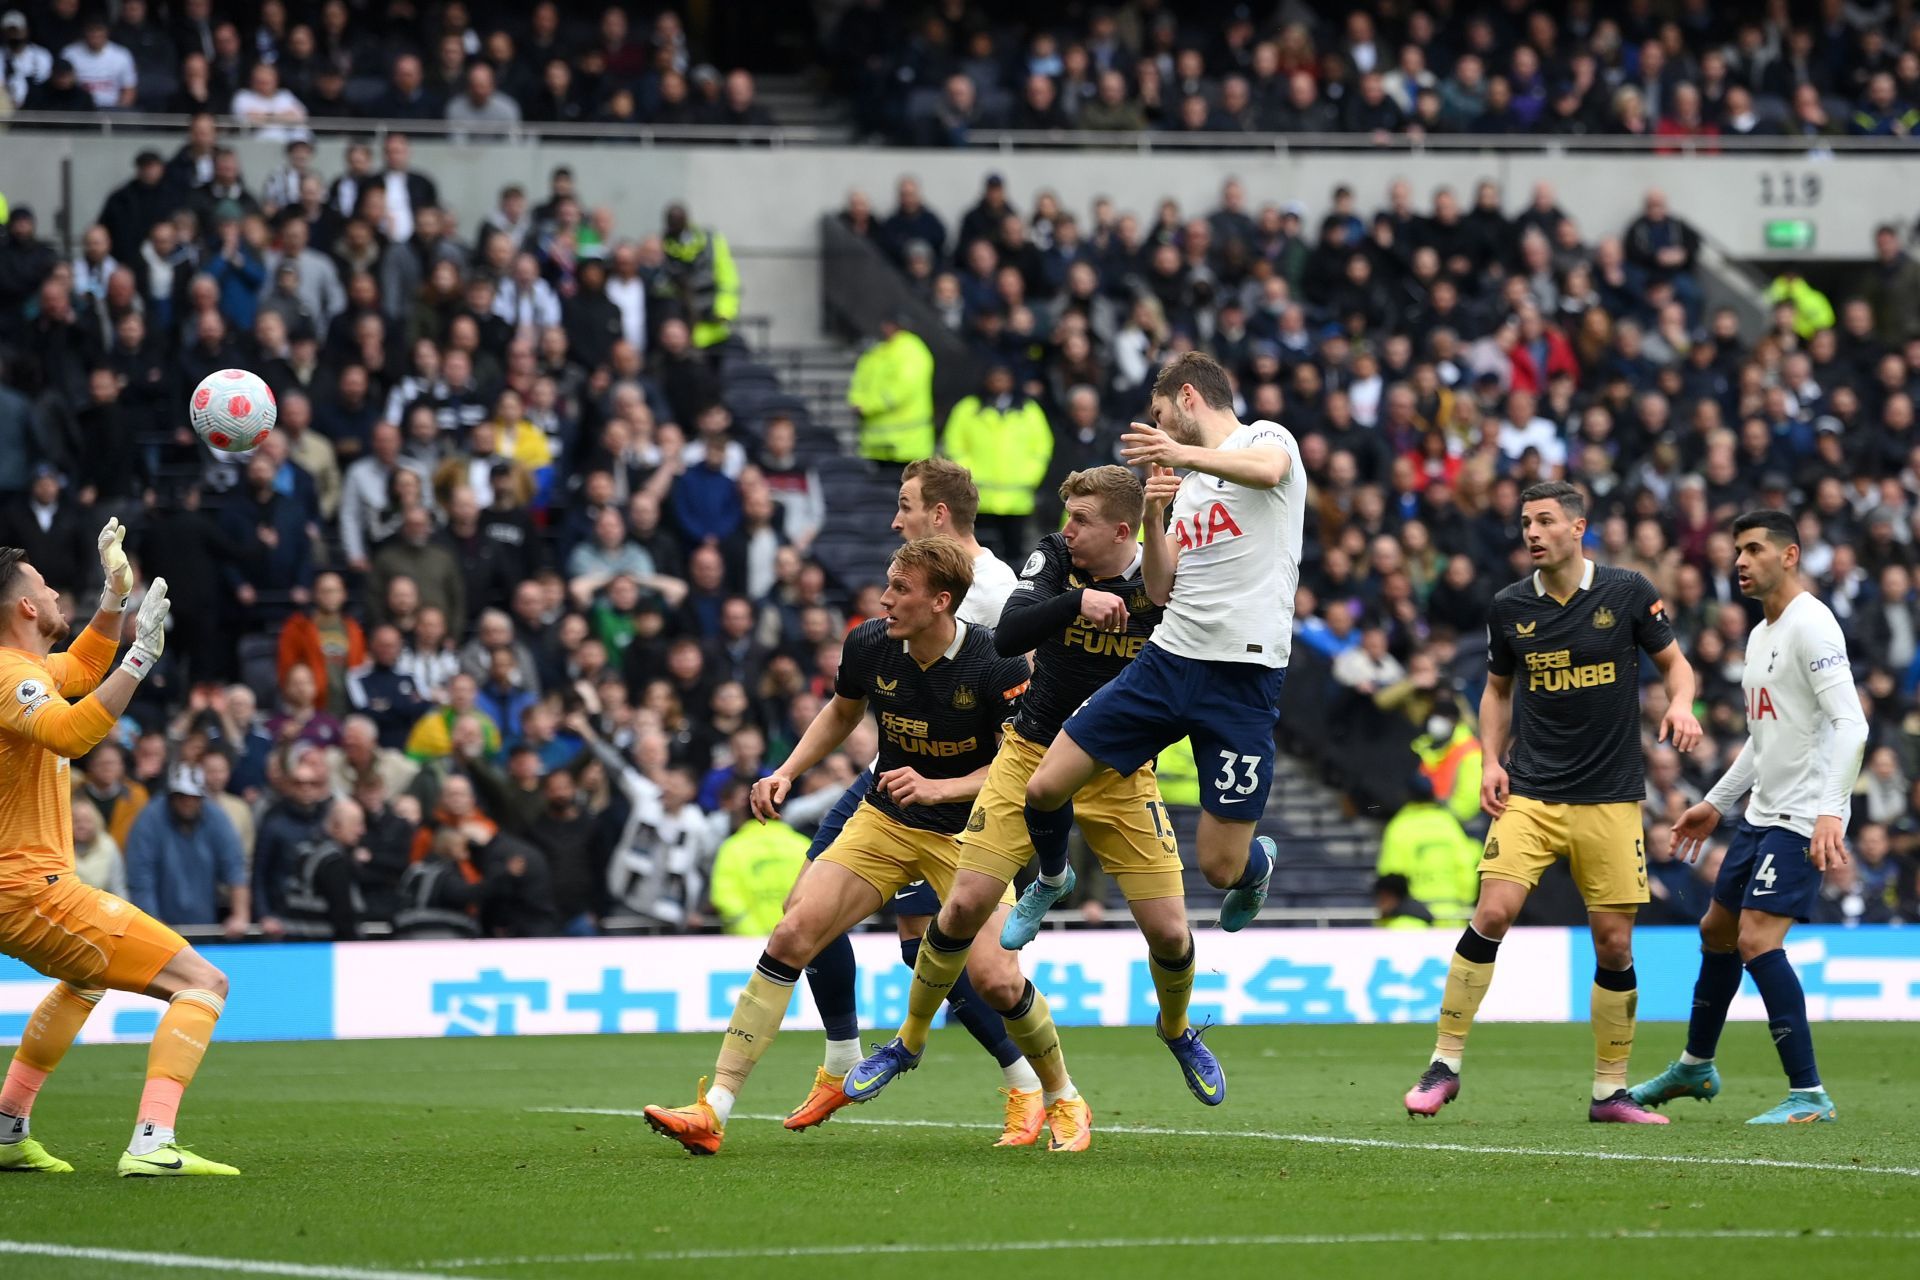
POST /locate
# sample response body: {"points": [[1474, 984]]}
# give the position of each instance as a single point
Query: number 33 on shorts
{"points": [[1239, 777]]}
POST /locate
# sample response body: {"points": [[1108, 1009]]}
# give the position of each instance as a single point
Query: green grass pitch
{"points": [[450, 1158]]}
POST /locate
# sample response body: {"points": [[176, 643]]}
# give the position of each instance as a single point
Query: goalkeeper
{"points": [[89, 941]]}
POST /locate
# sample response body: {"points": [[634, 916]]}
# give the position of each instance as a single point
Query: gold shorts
{"points": [[1123, 818], [890, 855], [84, 936], [1602, 842]]}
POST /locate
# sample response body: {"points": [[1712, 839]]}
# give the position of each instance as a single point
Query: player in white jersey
{"points": [[937, 496], [1225, 568], [1805, 737]]}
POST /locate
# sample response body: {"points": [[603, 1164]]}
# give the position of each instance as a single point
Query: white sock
{"points": [[1688, 1060], [1451, 1064], [1604, 1089], [842, 1057], [148, 1138], [1053, 882], [720, 1098], [15, 1128], [1049, 1097], [1020, 1077]]}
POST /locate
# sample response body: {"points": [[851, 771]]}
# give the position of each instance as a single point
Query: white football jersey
{"points": [[993, 582], [1239, 560], [1790, 665]]}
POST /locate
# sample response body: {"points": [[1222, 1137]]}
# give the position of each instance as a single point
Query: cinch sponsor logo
{"points": [[1831, 660]]}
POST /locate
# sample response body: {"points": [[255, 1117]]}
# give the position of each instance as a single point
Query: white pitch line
{"points": [[195, 1262], [1181, 1242], [1327, 1140], [533, 1260]]}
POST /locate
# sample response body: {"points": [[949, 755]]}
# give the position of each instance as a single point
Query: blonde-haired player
{"points": [[88, 940]]}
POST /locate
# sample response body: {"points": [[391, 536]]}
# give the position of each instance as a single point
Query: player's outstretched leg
{"points": [[1468, 977], [1761, 937], [1062, 771], [50, 1033], [1693, 1074], [196, 996]]}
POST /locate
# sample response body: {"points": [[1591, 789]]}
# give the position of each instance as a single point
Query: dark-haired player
{"points": [[1562, 708], [940, 692], [1805, 737], [1082, 608]]}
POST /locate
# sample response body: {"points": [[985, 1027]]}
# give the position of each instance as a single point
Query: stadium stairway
{"points": [[796, 100]]}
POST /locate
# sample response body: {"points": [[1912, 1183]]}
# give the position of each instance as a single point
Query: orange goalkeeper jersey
{"points": [[40, 732]]}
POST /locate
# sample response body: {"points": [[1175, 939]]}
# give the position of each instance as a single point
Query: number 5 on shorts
{"points": [[1245, 784]]}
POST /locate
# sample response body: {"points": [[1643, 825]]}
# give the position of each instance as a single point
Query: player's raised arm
{"points": [[1159, 556], [1260, 465], [1040, 604]]}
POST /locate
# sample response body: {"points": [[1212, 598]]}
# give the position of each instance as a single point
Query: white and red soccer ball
{"points": [[232, 410]]}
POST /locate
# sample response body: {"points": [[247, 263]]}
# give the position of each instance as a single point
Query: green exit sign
{"points": [[1789, 234]]}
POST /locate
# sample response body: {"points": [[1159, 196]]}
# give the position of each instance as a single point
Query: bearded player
{"points": [[1805, 737], [88, 940], [1082, 608], [1562, 709]]}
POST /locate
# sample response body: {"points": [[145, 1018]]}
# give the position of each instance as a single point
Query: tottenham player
{"points": [[937, 498], [1225, 572], [1578, 775], [1082, 608], [1805, 736], [941, 693]]}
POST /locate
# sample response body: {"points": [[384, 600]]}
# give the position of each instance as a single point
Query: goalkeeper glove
{"points": [[149, 632], [113, 562]]}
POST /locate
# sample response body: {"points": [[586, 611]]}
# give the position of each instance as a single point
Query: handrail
{"points": [[108, 123]]}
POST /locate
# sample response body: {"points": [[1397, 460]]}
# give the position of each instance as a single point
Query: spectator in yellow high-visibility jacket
{"points": [[892, 391], [752, 874], [1002, 436]]}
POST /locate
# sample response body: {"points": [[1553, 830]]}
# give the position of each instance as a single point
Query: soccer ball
{"points": [[233, 410]]}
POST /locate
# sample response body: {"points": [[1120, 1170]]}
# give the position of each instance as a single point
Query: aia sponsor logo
{"points": [[1203, 527]]}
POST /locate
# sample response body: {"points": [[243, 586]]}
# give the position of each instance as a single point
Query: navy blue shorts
{"points": [[918, 898], [1229, 709], [1768, 869]]}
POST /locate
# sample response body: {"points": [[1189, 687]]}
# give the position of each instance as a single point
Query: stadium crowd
{"points": [[935, 75], [277, 67]]}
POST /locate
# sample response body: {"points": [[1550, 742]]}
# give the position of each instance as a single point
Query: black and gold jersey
{"points": [[943, 721], [1576, 683], [1071, 660]]}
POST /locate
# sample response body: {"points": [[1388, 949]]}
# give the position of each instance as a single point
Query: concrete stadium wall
{"points": [[768, 201], [646, 985]]}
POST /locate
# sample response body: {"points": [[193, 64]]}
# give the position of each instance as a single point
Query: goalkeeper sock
{"points": [[1786, 1016], [1468, 978], [756, 1020], [1615, 1001], [1049, 829], [49, 1033], [179, 1044], [1173, 983], [1713, 993]]}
